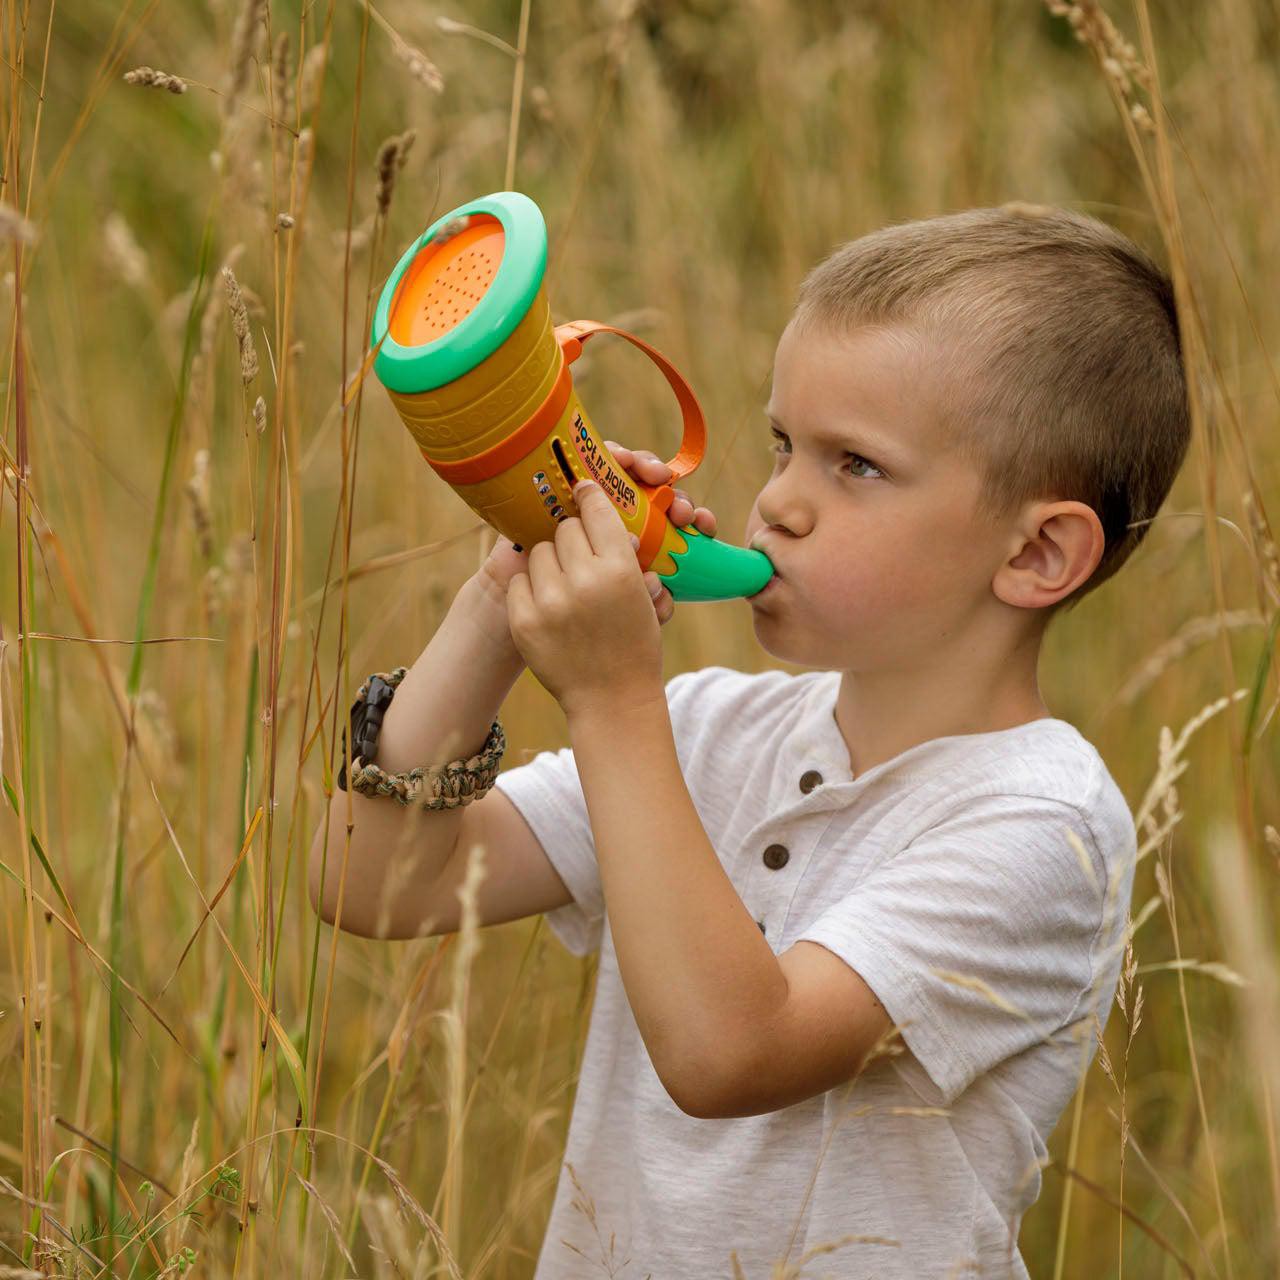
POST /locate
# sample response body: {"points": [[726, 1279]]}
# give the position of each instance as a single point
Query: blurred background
{"points": [[202, 560]]}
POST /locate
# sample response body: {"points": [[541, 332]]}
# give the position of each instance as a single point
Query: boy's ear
{"points": [[1057, 546]]}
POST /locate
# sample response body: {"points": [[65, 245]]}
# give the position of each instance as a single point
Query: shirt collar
{"points": [[817, 743]]}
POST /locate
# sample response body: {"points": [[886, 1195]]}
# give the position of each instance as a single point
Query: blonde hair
{"points": [[1067, 338]]}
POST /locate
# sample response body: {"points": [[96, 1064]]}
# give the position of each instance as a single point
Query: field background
{"points": [[692, 159]]}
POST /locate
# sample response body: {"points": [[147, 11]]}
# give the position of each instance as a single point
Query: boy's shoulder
{"points": [[1041, 775], [717, 687], [1048, 758]]}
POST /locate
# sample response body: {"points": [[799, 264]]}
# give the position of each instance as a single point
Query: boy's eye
{"points": [[855, 459]]}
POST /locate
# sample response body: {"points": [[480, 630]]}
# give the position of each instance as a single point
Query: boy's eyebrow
{"points": [[883, 448]]}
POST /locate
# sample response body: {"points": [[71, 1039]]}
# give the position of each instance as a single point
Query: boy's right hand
{"points": [[505, 561]]}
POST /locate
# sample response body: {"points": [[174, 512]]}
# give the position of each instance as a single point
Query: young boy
{"points": [[855, 925]]}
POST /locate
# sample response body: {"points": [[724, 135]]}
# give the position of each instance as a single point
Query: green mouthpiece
{"points": [[711, 570]]}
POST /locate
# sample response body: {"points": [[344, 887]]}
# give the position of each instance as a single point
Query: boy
{"points": [[848, 974]]}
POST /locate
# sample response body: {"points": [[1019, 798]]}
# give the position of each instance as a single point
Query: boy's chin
{"points": [[784, 644], [769, 635]]}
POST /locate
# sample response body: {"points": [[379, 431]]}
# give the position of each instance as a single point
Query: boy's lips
{"points": [[777, 570], [777, 574]]}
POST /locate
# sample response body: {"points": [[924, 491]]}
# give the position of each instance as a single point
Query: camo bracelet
{"points": [[427, 786]]}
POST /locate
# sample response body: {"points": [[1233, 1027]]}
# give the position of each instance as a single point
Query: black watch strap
{"points": [[366, 722]]}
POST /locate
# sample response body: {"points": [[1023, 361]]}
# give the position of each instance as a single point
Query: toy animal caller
{"points": [[480, 376]]}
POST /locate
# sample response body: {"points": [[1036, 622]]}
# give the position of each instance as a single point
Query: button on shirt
{"points": [[978, 883]]}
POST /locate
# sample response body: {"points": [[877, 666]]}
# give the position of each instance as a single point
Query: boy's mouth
{"points": [[757, 544], [764, 551], [765, 588]]}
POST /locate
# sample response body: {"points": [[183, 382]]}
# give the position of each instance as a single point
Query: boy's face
{"points": [[881, 562]]}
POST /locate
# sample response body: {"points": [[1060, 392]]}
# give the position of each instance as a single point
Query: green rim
{"points": [[524, 261]]}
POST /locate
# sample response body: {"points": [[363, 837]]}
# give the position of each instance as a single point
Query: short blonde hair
{"points": [[1067, 338]]}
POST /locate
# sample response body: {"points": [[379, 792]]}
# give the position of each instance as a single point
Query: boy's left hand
{"points": [[582, 617]]}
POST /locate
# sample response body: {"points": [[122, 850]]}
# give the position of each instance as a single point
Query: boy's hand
{"points": [[505, 561], [581, 617]]}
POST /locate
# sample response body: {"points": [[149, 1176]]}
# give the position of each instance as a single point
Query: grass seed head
{"points": [[154, 79], [240, 323]]}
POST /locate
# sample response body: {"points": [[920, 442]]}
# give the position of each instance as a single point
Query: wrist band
{"points": [[427, 786]]}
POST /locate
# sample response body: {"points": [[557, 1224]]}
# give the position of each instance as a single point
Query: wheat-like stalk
{"points": [[244, 46], [391, 157], [197, 489], [13, 226], [240, 323], [123, 252], [1118, 59], [421, 68], [154, 79]]}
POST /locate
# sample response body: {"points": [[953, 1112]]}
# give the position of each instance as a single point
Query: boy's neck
{"points": [[880, 714]]}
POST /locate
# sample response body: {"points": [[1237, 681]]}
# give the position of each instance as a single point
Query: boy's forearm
{"points": [[449, 697], [441, 711], [699, 976]]}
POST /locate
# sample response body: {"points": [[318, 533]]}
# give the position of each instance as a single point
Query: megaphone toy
{"points": [[481, 378]]}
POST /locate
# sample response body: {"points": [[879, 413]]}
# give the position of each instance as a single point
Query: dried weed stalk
{"points": [[244, 47], [1115, 55], [197, 489], [421, 68], [154, 79], [391, 157], [13, 226], [240, 323]]}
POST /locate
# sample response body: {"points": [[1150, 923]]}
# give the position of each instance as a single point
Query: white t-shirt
{"points": [[951, 859]]}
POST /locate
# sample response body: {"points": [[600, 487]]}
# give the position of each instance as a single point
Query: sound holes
{"points": [[456, 291]]}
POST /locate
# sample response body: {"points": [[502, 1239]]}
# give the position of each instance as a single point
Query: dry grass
{"points": [[174, 666]]}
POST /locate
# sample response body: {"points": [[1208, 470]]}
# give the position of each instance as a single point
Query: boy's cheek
{"points": [[893, 587]]}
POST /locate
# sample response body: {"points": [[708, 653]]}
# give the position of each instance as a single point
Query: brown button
{"points": [[761, 924], [809, 779], [776, 857]]}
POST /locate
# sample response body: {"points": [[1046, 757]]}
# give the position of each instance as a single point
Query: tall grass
{"points": [[210, 552]]}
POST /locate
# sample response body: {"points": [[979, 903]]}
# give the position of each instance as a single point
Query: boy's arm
{"points": [[731, 1028], [378, 883]]}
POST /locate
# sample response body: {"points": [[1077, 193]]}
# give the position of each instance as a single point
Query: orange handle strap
{"points": [[531, 433], [693, 445]]}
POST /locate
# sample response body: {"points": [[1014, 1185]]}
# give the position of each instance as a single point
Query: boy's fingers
{"points": [[682, 512], [639, 457]]}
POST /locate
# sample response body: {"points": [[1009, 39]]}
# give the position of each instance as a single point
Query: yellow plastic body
{"points": [[480, 411]]}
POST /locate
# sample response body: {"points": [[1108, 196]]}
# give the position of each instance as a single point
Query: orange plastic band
{"points": [[693, 445], [525, 438], [655, 523]]}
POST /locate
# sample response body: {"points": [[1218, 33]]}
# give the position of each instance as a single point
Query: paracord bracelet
{"points": [[427, 786]]}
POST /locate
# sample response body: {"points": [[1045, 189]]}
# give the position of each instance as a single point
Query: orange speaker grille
{"points": [[446, 281]]}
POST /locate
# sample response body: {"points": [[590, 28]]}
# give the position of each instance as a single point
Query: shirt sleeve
{"points": [[548, 792], [979, 936]]}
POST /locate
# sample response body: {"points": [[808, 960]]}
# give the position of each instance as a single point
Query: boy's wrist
{"points": [[482, 601]]}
